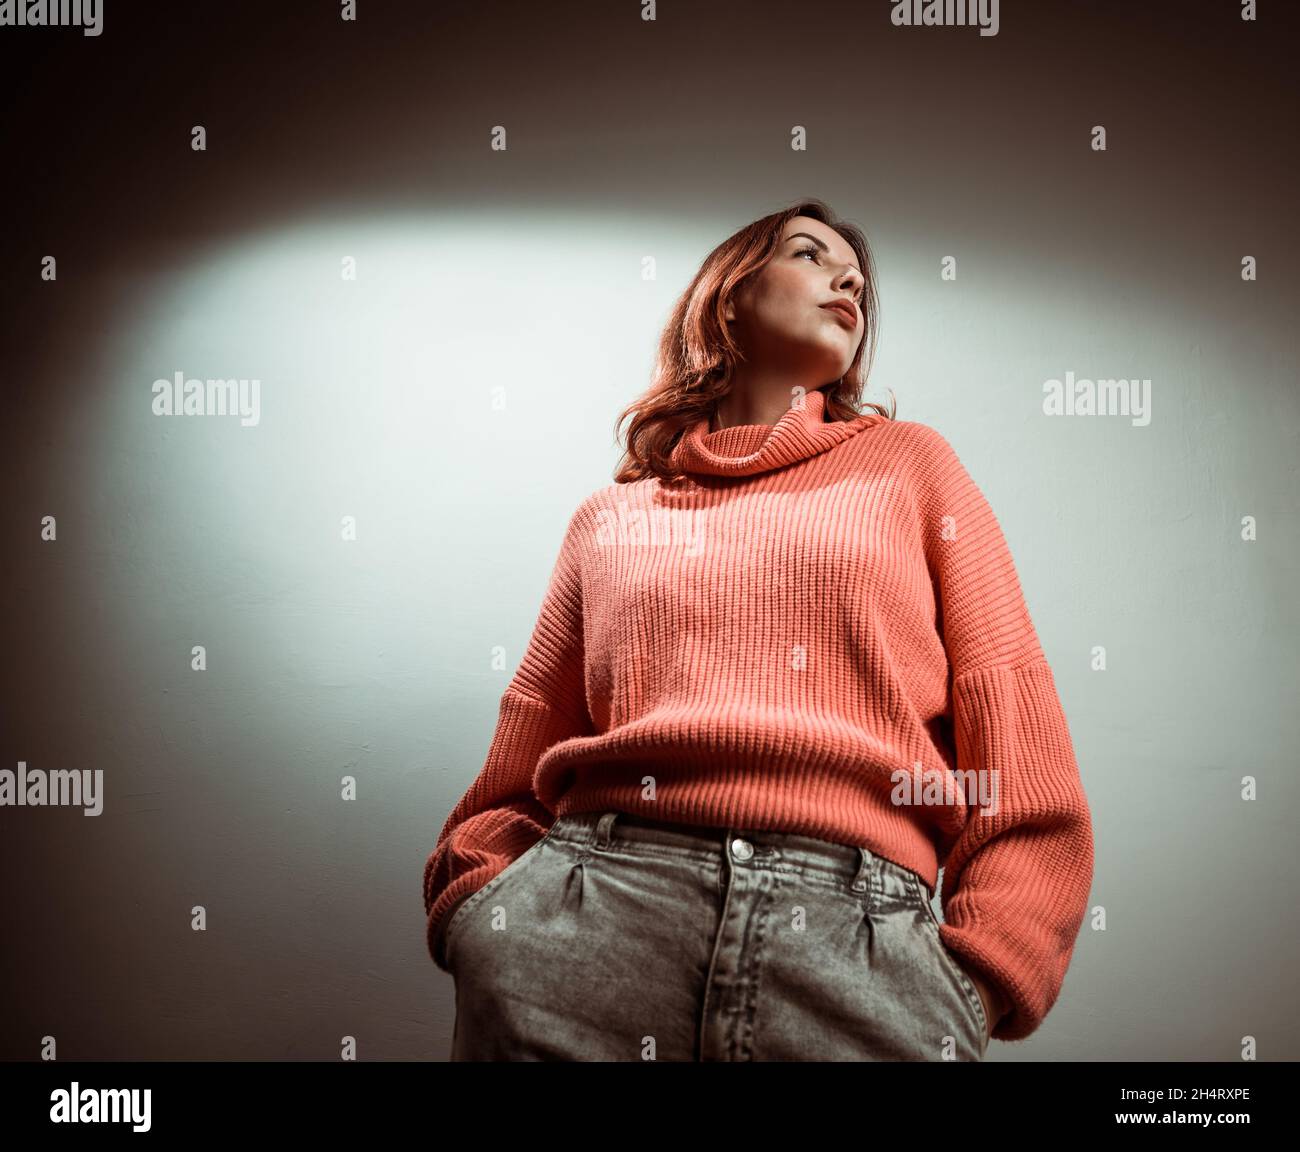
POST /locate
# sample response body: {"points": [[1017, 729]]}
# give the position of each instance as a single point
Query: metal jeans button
{"points": [[741, 849]]}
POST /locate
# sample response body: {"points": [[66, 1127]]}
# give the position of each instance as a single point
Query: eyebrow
{"points": [[821, 245]]}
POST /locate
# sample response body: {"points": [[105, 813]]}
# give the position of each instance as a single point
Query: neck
{"points": [[751, 408], [749, 449]]}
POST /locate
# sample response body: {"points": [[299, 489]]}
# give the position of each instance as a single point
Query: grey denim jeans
{"points": [[620, 938]]}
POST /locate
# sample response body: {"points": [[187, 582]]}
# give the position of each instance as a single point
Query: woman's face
{"points": [[778, 316]]}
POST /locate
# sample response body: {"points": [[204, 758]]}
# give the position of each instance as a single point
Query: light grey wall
{"points": [[458, 398]]}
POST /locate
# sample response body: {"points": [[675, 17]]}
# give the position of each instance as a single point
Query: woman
{"points": [[783, 672]]}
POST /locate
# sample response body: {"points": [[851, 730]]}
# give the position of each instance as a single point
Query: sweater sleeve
{"points": [[1017, 877], [500, 817]]}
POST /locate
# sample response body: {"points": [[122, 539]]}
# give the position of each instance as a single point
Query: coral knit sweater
{"points": [[822, 626]]}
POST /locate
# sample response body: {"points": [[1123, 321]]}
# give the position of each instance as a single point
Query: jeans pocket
{"points": [[974, 1001], [451, 929]]}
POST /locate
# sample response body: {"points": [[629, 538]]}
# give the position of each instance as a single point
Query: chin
{"points": [[834, 362]]}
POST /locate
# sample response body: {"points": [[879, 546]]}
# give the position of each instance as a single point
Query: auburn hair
{"points": [[697, 355]]}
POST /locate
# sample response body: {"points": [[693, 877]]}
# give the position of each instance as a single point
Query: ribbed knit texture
{"points": [[822, 605]]}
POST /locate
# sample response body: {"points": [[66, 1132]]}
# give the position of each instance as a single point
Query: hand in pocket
{"points": [[992, 1002], [440, 938]]}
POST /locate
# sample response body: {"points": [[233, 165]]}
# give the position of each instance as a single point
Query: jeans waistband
{"points": [[852, 865]]}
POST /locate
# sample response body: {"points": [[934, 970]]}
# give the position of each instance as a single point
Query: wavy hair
{"points": [[697, 355]]}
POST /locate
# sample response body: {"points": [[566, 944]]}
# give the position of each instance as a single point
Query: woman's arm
{"points": [[499, 817], [1017, 878]]}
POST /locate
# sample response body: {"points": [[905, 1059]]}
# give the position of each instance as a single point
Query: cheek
{"points": [[798, 285], [787, 302]]}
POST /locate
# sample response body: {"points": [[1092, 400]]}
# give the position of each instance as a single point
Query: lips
{"points": [[845, 309]]}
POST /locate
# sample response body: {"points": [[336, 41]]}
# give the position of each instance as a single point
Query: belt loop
{"points": [[605, 829], [862, 881]]}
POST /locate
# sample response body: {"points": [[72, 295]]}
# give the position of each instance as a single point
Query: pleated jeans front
{"points": [[621, 938]]}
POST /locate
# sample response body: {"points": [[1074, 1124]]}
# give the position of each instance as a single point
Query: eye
{"points": [[811, 250]]}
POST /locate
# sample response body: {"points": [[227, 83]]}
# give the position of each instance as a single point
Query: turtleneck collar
{"points": [[747, 449]]}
